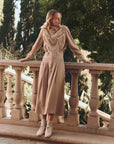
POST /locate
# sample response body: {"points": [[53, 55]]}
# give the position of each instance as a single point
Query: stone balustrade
{"points": [[72, 122]]}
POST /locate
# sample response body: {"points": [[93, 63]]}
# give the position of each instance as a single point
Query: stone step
{"points": [[59, 136]]}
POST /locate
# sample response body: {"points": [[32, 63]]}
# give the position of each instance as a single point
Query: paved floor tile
{"points": [[5, 140]]}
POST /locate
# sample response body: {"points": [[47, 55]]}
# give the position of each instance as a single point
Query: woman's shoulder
{"points": [[43, 30], [65, 28]]}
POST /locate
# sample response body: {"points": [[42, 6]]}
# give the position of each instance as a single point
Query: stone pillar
{"points": [[93, 120], [111, 124], [2, 93], [32, 115], [17, 110], [9, 103], [73, 118], [23, 99]]}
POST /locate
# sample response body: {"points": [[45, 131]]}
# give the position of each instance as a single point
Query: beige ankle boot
{"points": [[41, 130], [48, 131]]}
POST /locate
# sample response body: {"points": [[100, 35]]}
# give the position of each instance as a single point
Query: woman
{"points": [[50, 97]]}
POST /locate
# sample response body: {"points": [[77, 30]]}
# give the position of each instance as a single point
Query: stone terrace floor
{"points": [[7, 140], [15, 134]]}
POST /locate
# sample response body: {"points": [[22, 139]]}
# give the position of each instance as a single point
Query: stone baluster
{"points": [[111, 125], [93, 120], [2, 93], [9, 103], [73, 117], [17, 110], [23, 99], [32, 115]]}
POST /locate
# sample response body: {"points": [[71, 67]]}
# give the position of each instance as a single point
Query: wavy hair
{"points": [[49, 17]]}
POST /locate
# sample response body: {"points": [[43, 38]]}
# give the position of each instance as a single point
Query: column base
{"points": [[23, 112], [8, 105], [111, 125], [2, 112], [93, 122], [33, 116], [16, 114], [73, 120]]}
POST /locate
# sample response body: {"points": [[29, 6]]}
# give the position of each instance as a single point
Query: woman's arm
{"points": [[35, 48], [74, 46]]}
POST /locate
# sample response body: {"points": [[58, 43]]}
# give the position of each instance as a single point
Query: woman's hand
{"points": [[89, 62], [24, 59]]}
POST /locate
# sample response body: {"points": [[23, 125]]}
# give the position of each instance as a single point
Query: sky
{"points": [[17, 11], [1, 7]]}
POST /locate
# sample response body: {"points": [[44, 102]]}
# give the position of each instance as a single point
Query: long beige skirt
{"points": [[50, 95]]}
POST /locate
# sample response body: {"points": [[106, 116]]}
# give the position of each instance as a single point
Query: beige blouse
{"points": [[56, 40]]}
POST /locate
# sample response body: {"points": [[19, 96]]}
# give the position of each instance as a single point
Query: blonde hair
{"points": [[49, 17]]}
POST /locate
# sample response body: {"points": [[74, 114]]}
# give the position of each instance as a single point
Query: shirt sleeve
{"points": [[36, 45], [73, 45]]}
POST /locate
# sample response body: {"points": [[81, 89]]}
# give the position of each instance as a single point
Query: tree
{"points": [[96, 33], [25, 28], [97, 36], [38, 20], [7, 28], [28, 27], [18, 39]]}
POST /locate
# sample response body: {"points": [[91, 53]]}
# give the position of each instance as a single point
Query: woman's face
{"points": [[56, 21]]}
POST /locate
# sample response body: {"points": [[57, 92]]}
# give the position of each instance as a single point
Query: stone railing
{"points": [[72, 122], [10, 73]]}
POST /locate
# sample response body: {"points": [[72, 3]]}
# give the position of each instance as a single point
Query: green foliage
{"points": [[27, 109], [96, 33], [38, 18], [66, 110], [7, 28], [25, 27], [82, 84], [105, 103], [28, 27], [106, 80], [18, 36], [83, 116], [7, 31]]}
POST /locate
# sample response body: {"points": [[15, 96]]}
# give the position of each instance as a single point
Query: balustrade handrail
{"points": [[23, 77], [68, 65], [102, 114]]}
